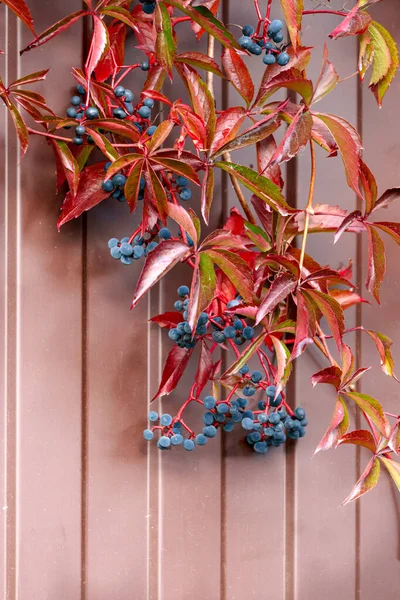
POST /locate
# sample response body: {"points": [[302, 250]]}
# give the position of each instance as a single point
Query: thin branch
{"points": [[243, 202], [309, 208], [210, 52]]}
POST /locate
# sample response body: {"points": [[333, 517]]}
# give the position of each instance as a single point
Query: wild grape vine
{"points": [[255, 294]]}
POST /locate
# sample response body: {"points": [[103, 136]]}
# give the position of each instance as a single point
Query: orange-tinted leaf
{"points": [[158, 192], [305, 325], [99, 46], [236, 269], [337, 428], [393, 468], [383, 345], [20, 127], [330, 375], [246, 355], [132, 184], [332, 312], [367, 481], [354, 23], [327, 80], [361, 437], [227, 127], [203, 289], [376, 262], [380, 87], [293, 12], [238, 74], [373, 409], [204, 368], [182, 217], [199, 61], [291, 79]]}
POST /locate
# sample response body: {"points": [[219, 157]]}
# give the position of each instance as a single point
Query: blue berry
{"points": [[126, 249], [177, 439], [278, 37], [129, 96], [151, 130], [138, 252], [116, 194], [254, 436], [209, 402], [164, 233], [261, 405], [113, 242], [304, 422], [153, 416], [247, 30], [183, 291], [90, 140], [119, 91], [260, 447], [75, 100], [164, 442], [269, 59], [249, 414], [80, 89], [255, 49], [229, 426], [208, 418], [148, 434], [275, 26], [178, 305], [78, 141], [256, 376], [245, 42], [92, 112], [119, 113], [80, 130], [223, 408], [274, 419], [119, 180], [248, 333], [182, 181], [107, 165], [71, 112], [151, 246], [201, 439], [185, 303], [116, 252], [283, 59], [149, 102], [203, 318], [80, 116], [126, 260], [293, 434], [270, 391], [244, 370], [218, 337], [248, 391], [262, 418], [238, 325], [185, 194], [247, 423], [229, 332], [125, 240], [174, 335], [149, 9], [302, 432], [239, 340], [210, 431], [166, 420], [144, 112], [189, 445], [243, 402], [216, 320], [237, 417], [145, 67], [107, 186], [300, 413]]}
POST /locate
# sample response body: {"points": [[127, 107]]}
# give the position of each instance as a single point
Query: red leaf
{"points": [[132, 184], [203, 289], [327, 79], [376, 262], [165, 49], [238, 74], [200, 61], [177, 166], [99, 45], [167, 319], [174, 368], [89, 194], [212, 6], [330, 376], [236, 269], [115, 54], [373, 409], [55, 29], [346, 298], [359, 438], [201, 98], [392, 229], [207, 193], [266, 149], [305, 320], [332, 312], [20, 8], [367, 481], [158, 192], [158, 262], [227, 127], [69, 164], [19, 125], [182, 217], [345, 224], [291, 79], [355, 23], [383, 345], [337, 428], [31, 78], [293, 12], [204, 368], [384, 201], [280, 288], [296, 137]]}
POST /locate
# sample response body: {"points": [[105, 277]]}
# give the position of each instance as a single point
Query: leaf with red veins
{"points": [[201, 98], [287, 262], [165, 48], [132, 184], [159, 262], [238, 74], [394, 440], [297, 61], [194, 126], [393, 468], [103, 143], [367, 481], [188, 157], [337, 428], [31, 78], [177, 166], [155, 78], [221, 238], [121, 14], [295, 139], [203, 288], [291, 79], [252, 135], [355, 23], [22, 11], [325, 218], [305, 326], [280, 288], [124, 129], [159, 194], [204, 368], [247, 354], [373, 409], [330, 375], [89, 194], [283, 364], [264, 213], [167, 320], [207, 193], [200, 61], [174, 368], [346, 298], [236, 269], [327, 275], [332, 312], [349, 144], [370, 189], [356, 376], [99, 46], [55, 29], [227, 127], [258, 237], [293, 13], [383, 345], [69, 164], [213, 6], [266, 149], [376, 262], [157, 97], [115, 55], [323, 137], [327, 79], [392, 229], [182, 217]]}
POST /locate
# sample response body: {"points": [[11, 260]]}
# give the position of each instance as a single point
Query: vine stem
{"points": [[210, 52], [49, 135], [309, 208], [339, 13]]}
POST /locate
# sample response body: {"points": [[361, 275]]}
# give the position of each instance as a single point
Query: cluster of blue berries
{"points": [[264, 428], [256, 45], [182, 334], [142, 111], [127, 251], [148, 6], [231, 327], [78, 111]]}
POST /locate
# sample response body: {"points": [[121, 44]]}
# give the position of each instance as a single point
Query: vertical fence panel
{"points": [[48, 337], [325, 534], [380, 509]]}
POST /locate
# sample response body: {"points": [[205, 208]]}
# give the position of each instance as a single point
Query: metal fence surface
{"points": [[89, 511]]}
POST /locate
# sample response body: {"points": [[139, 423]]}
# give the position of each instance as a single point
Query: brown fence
{"points": [[89, 511]]}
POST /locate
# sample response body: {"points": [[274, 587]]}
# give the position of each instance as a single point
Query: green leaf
{"points": [[393, 468], [259, 185], [132, 184], [373, 409], [376, 262], [236, 269], [383, 345], [380, 88], [337, 428], [165, 44], [258, 236], [203, 289], [367, 481], [254, 346]]}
